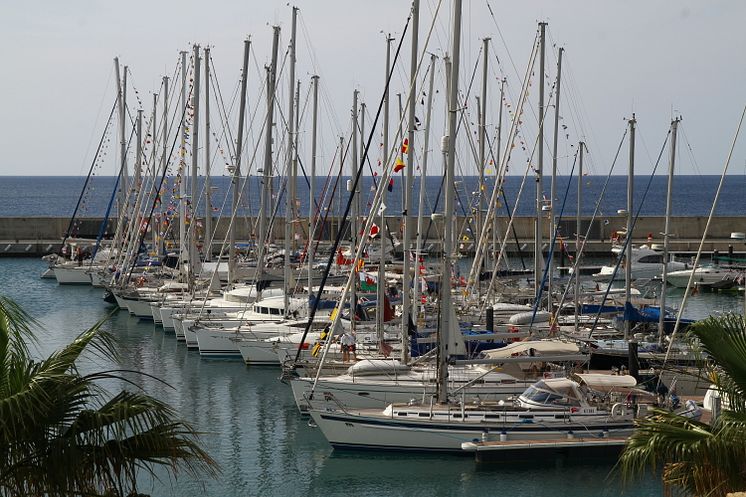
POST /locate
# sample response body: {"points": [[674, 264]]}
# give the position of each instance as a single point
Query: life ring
{"points": [[617, 410]]}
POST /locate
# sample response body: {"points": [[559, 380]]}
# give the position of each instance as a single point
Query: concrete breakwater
{"points": [[36, 236]]}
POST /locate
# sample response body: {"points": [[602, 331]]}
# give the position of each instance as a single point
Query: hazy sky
{"points": [[650, 57]]}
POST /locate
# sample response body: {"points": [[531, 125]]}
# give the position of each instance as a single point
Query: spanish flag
{"points": [[399, 165]]}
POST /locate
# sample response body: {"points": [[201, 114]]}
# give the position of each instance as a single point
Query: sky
{"points": [[658, 59]]}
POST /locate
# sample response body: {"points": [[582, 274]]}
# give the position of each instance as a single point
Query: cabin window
{"points": [[272, 310], [652, 259], [457, 415], [424, 415], [401, 413]]}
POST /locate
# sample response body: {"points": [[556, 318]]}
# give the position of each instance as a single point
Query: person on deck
{"points": [[347, 341]]}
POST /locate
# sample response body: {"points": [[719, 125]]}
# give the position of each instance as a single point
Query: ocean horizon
{"points": [[57, 196]]}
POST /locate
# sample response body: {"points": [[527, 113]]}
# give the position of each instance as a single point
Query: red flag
{"points": [[385, 348], [405, 146], [391, 185], [374, 230]]}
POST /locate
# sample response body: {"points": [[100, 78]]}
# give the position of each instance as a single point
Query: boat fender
{"points": [[617, 410]]}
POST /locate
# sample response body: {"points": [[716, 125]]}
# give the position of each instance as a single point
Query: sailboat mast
{"points": [[409, 188], [236, 177], [354, 212], [553, 188], [164, 159], [290, 190], [449, 146], [423, 179], [538, 242], [194, 199], [122, 140], [628, 241], [482, 112], [578, 235], [208, 191], [312, 190], [380, 287], [183, 261], [266, 185], [669, 197], [496, 165], [153, 170]]}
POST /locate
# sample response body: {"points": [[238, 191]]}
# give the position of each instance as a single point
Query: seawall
{"points": [[36, 236]]}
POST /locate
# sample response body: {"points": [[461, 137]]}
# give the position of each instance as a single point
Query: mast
{"points": [[496, 165], [380, 287], [449, 149], [138, 155], [121, 96], [312, 189], [354, 211], [164, 159], [409, 188], [236, 176], [628, 240], [153, 161], [553, 188], [578, 235], [423, 178], [208, 191], [669, 196], [290, 191], [482, 128], [194, 199], [183, 261], [538, 242], [266, 186]]}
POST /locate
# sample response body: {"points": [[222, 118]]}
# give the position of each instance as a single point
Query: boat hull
{"points": [[361, 432]]}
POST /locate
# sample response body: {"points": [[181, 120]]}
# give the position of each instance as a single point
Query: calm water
{"points": [[693, 195], [253, 430]]}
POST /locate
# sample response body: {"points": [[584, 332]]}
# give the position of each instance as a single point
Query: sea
{"points": [[57, 196], [246, 416]]}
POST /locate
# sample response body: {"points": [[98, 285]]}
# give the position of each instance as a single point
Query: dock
{"points": [[516, 450]]}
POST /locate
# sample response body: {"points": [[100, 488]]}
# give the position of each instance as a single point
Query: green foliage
{"points": [[698, 458], [62, 434]]}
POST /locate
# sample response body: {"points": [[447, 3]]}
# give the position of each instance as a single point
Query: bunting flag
{"points": [[385, 348], [381, 209], [399, 165], [391, 185], [374, 230], [360, 265], [405, 146]]}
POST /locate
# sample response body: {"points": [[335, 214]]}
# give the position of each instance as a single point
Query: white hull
{"points": [[381, 432], [140, 308], [639, 271], [706, 276], [216, 343], [72, 275]]}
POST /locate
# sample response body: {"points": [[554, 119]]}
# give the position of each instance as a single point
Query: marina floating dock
{"points": [[514, 450]]}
